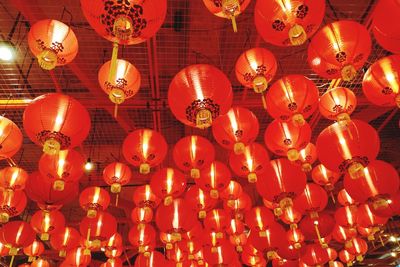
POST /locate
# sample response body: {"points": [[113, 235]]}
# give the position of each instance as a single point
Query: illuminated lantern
{"points": [[307, 156], [289, 252], [317, 228], [291, 216], [358, 248], [392, 208], [239, 206], [335, 264], [337, 104], [34, 250], [281, 183], [113, 253], [66, 166], [232, 192], [13, 178], [217, 220], [168, 240], [223, 254], [346, 216], [77, 257], [293, 97], [236, 129], [64, 240], [192, 153], [46, 223], [343, 234], [214, 178], [11, 204], [93, 199], [117, 174], [98, 229], [346, 257], [198, 94], [255, 68], [295, 237], [190, 247], [140, 237], [349, 148], [53, 43], [365, 218], [16, 235], [199, 201], [381, 84], [154, 259], [113, 245], [236, 227], [313, 200], [315, 255], [40, 263], [228, 9], [289, 22], [324, 177], [143, 197], [10, 138], [64, 122], [3, 249], [268, 241], [345, 199], [144, 148], [167, 184], [114, 262], [286, 138], [339, 49], [141, 216]]}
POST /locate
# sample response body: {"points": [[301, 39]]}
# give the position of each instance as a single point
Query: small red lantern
{"points": [[34, 250], [116, 175], [214, 178], [348, 148], [315, 255], [251, 162], [53, 43], [345, 199], [286, 138], [346, 216], [288, 23], [239, 206], [40, 263], [233, 191], [199, 201], [46, 223], [346, 257], [143, 236], [365, 217], [381, 83], [291, 216], [98, 229], [307, 156], [217, 220], [293, 97], [113, 246], [392, 208], [10, 138], [223, 254], [236, 129], [358, 248], [198, 94], [324, 177], [114, 262], [167, 184], [65, 240], [77, 257], [339, 49], [154, 259], [255, 68], [11, 204], [13, 178], [65, 166], [313, 200], [144, 148], [93, 199], [343, 234], [295, 237], [192, 153], [16, 235], [141, 216], [64, 122], [269, 240], [317, 228], [143, 197], [337, 104]]}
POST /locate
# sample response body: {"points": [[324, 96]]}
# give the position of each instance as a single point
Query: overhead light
{"points": [[393, 254], [6, 51], [392, 239], [88, 165]]}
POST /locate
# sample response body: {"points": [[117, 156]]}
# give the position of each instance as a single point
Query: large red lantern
{"points": [[348, 148], [366, 219], [345, 199], [236, 129], [251, 162], [10, 138], [93, 199], [214, 178], [11, 204], [13, 178], [34, 250], [381, 83], [167, 184], [307, 156], [255, 68], [65, 166], [144, 148], [116, 175], [192, 153], [64, 122], [46, 223], [286, 138], [16, 235], [64, 240], [324, 177], [98, 229], [144, 197], [293, 97], [53, 43], [199, 201], [339, 49], [313, 200], [288, 23], [198, 94]]}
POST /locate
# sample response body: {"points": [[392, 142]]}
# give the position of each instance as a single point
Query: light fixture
{"points": [[392, 239], [393, 254], [88, 165], [6, 51]]}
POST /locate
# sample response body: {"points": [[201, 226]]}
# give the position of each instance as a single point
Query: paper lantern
{"points": [[53, 43], [192, 153], [392, 208], [46, 223], [217, 220], [268, 241], [144, 148], [255, 68], [223, 254], [144, 197], [315, 255], [13, 178], [345, 199], [16, 235], [167, 184], [154, 259], [200, 201], [365, 217], [198, 94], [307, 156], [40, 263], [358, 248], [65, 240], [312, 200], [233, 191], [34, 250], [10, 138], [339, 49], [77, 257], [99, 228], [295, 237], [141, 216], [214, 178], [288, 23], [293, 97], [64, 122], [291, 216], [116, 175], [346, 216], [114, 243], [317, 228], [141, 237], [346, 257], [93, 199], [114, 262], [239, 206], [259, 218], [343, 234], [11, 204], [324, 177]]}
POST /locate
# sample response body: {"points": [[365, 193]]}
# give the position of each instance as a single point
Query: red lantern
{"points": [[217, 220], [281, 183], [15, 235], [143, 236], [365, 218], [345, 199], [3, 249], [64, 240], [93, 199], [295, 237], [113, 245], [144, 148], [317, 228], [368, 232], [117, 174], [199, 94], [236, 227], [288, 23], [214, 178], [346, 216], [46, 223], [236, 129], [324, 177], [154, 259], [114, 262], [348, 148], [63, 167], [339, 49], [34, 250], [239, 206], [223, 254], [11, 204], [40, 263], [307, 156], [291, 216], [343, 234], [199, 201], [338, 104], [269, 240], [233, 191], [141, 216], [77, 257], [315, 255], [359, 248], [346, 257], [64, 122], [381, 81], [293, 97], [143, 197], [13, 178], [167, 184], [227, 9], [392, 208], [192, 153], [53, 43], [255, 68], [99, 228], [286, 138], [10, 138], [313, 200]]}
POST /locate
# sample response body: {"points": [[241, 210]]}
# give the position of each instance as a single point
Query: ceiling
{"points": [[189, 35]]}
